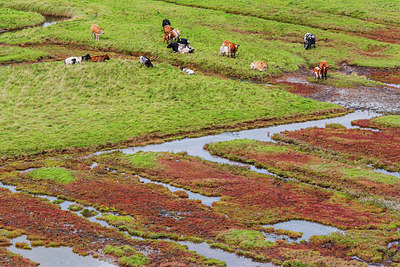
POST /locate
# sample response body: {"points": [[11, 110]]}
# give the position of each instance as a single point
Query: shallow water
{"points": [[204, 199], [308, 229], [396, 174], [50, 257], [230, 258]]}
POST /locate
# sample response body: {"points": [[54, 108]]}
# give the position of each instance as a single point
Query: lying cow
{"points": [[181, 48], [317, 73], [183, 41], [96, 30], [145, 61], [188, 71], [323, 65], [100, 58], [259, 65], [76, 60], [165, 22], [228, 48], [309, 40]]}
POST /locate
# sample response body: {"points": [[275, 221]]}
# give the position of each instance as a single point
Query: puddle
{"points": [[95, 164], [308, 229], [393, 243], [230, 258], [204, 199], [50, 257], [28, 170]]}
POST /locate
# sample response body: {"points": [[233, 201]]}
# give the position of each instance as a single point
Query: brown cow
{"points": [[100, 58], [259, 65], [172, 36], [232, 47], [96, 30], [323, 65], [167, 29]]}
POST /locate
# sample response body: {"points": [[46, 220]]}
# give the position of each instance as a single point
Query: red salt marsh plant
{"points": [[9, 259], [382, 149], [288, 162], [55, 227], [252, 198]]}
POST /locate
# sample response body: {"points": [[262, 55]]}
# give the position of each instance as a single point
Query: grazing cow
{"points": [[96, 30], [323, 65], [259, 65], [309, 40], [183, 41], [188, 71], [317, 73], [167, 29], [233, 48], [145, 61], [165, 22], [100, 58], [181, 48], [172, 36], [76, 60]]}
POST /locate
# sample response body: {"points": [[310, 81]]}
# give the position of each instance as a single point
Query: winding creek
{"points": [[64, 256]]}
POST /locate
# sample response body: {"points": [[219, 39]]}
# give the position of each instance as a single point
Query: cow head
{"points": [[101, 31], [87, 57], [106, 57]]}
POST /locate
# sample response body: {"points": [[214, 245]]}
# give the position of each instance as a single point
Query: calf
{"points": [[96, 30], [259, 65], [233, 48], [309, 40], [100, 58], [317, 73], [76, 60], [188, 71], [323, 65], [165, 22], [145, 61]]}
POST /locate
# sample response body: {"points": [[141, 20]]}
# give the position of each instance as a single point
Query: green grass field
{"points": [[52, 105], [136, 28]]}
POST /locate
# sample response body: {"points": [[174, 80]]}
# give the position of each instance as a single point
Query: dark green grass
{"points": [[136, 28], [51, 105], [14, 19]]}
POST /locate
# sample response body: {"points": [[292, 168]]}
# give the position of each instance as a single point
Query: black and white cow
{"points": [[181, 48], [165, 22], [76, 60], [145, 61], [309, 40], [188, 71], [183, 41]]}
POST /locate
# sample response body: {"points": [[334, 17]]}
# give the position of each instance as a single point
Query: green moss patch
{"points": [[57, 174], [245, 239]]}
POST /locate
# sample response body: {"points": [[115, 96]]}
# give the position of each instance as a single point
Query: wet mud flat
{"points": [[383, 99]]}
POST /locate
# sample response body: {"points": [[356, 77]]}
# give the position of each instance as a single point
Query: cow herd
{"points": [[181, 45]]}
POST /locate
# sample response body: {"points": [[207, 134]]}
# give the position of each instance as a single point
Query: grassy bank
{"points": [[136, 28], [14, 19], [18, 54], [51, 105]]}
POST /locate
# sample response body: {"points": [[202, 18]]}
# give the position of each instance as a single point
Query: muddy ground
{"points": [[383, 99]]}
